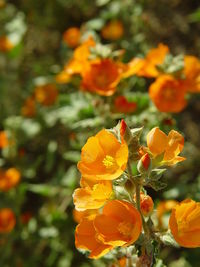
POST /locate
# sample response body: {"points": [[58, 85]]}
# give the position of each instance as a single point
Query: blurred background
{"points": [[45, 138]]}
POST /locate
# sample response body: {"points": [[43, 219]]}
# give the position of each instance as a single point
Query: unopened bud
{"points": [[125, 132], [144, 164], [146, 204]]}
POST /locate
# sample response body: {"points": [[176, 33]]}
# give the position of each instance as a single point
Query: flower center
{"points": [[102, 80], [109, 162], [125, 228], [168, 93]]}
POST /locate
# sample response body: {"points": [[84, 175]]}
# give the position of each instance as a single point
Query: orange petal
{"points": [[156, 141]]}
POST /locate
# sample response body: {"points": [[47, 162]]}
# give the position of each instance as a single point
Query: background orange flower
{"points": [[192, 74], [3, 139], [7, 220], [9, 178], [5, 44], [155, 56], [122, 105], [46, 94], [168, 94], [29, 107], [102, 77], [113, 30], [72, 36]]}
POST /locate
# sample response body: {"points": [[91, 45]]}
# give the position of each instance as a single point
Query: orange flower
{"points": [[134, 67], [78, 64], [156, 56], [9, 179], [164, 207], [169, 147], [86, 237], [7, 220], [102, 77], [29, 108], [3, 139], [72, 37], [192, 74], [146, 204], [92, 195], [46, 94], [123, 105], [168, 94], [103, 157], [120, 223], [78, 215], [185, 223], [113, 30], [5, 44]]}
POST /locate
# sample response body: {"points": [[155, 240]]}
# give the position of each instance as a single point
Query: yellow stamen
{"points": [[108, 162]]}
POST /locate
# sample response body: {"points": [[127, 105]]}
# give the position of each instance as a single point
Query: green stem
{"points": [[137, 192]]}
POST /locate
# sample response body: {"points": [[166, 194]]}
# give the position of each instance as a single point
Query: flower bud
{"points": [[144, 164], [125, 132], [146, 204]]}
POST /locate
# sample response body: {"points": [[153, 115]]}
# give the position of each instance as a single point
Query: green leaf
{"points": [[168, 240], [156, 174]]}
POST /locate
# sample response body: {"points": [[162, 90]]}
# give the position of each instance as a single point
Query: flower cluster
{"points": [[102, 72], [45, 95], [107, 219]]}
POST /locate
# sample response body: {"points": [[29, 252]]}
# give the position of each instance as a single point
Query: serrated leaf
{"points": [[168, 239], [156, 174], [156, 185]]}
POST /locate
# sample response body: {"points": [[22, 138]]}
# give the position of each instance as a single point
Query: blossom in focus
{"points": [[120, 223], [72, 37], [103, 157], [165, 147], [78, 215], [87, 238], [92, 194], [102, 77], [168, 94], [5, 44], [29, 107], [7, 220], [184, 223], [3, 139], [122, 105], [9, 178], [46, 94], [113, 30]]}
